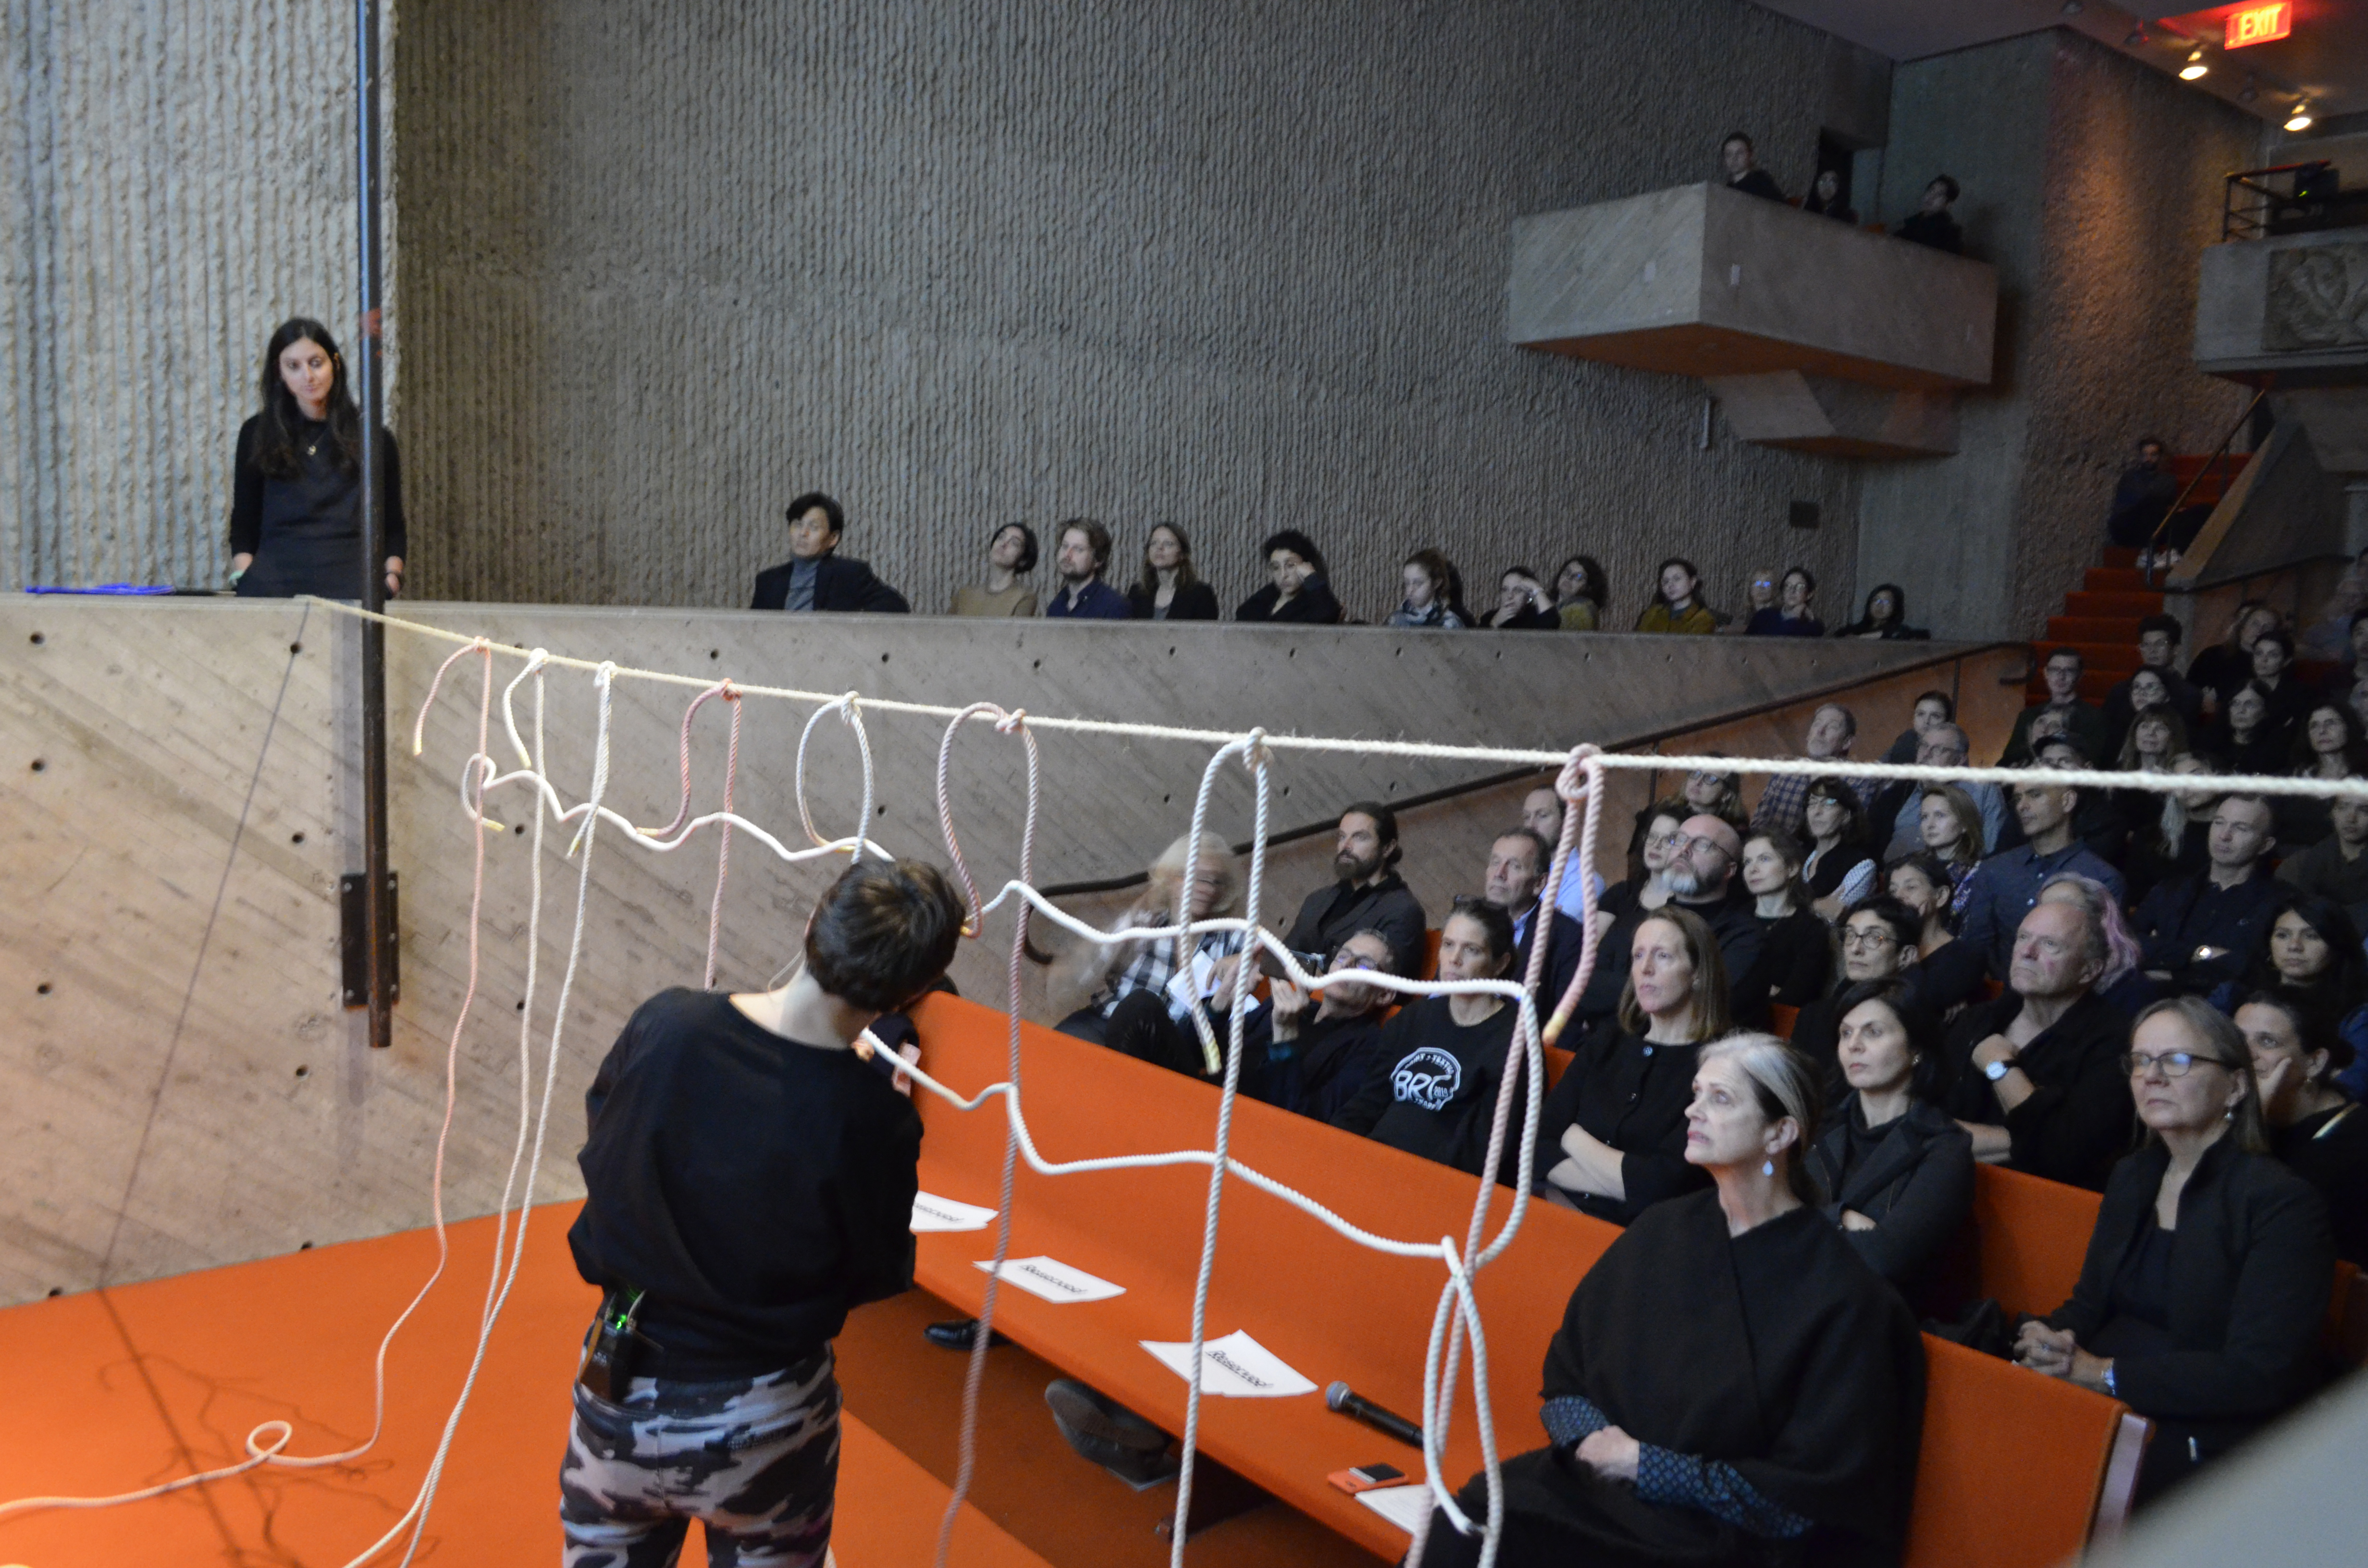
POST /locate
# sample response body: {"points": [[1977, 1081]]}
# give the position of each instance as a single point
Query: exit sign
{"points": [[2259, 24]]}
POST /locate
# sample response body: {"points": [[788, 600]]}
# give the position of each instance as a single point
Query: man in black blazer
{"points": [[1517, 863], [814, 576]]}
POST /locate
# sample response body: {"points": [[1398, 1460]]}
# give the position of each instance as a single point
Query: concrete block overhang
{"points": [[2291, 311], [1703, 281], [1844, 419]]}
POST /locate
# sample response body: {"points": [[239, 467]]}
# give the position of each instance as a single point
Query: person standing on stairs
{"points": [[2142, 497]]}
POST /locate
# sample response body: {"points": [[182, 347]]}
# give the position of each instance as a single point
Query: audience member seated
{"points": [[1796, 951], [1825, 199], [1432, 1088], [1169, 589], [1521, 604], [1716, 794], [1579, 592], [1759, 594], [2358, 701], [1114, 971], [1898, 813], [2083, 723], [1743, 171], [2337, 866], [1932, 223], [2097, 822], [2143, 497], [2247, 740], [2308, 953], [1921, 883], [2159, 637], [2005, 886], [1298, 594], [2327, 746], [1701, 876], [1541, 811], [1792, 616], [1877, 939], [1660, 828], [2034, 1075], [2219, 670], [1517, 863], [1369, 893], [1951, 828], [2208, 1278], [1833, 729], [1884, 619], [2289, 700], [1320, 1047], [2176, 840], [1840, 867], [1676, 603], [1896, 1171], [1612, 1140], [815, 577], [1425, 574], [1081, 558], [1768, 1407], [2156, 734], [2197, 931], [2314, 1127], [2125, 986], [1931, 707], [1010, 555]]}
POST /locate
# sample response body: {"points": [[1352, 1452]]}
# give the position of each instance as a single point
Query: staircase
{"points": [[2100, 618]]}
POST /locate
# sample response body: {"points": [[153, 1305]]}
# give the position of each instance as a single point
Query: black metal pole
{"points": [[377, 920]]}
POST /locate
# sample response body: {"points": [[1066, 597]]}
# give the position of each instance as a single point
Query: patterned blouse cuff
{"points": [[1571, 1418], [1715, 1488]]}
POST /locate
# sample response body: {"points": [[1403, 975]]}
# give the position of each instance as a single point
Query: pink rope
{"points": [[723, 843]]}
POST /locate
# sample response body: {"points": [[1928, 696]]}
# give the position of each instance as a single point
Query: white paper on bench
{"points": [[931, 1212], [1408, 1508], [1053, 1280], [1236, 1366]]}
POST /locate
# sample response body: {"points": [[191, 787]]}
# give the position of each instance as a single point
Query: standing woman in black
{"points": [[295, 516]]}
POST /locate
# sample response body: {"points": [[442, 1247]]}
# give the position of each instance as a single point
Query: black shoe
{"points": [[1100, 1429], [960, 1334]]}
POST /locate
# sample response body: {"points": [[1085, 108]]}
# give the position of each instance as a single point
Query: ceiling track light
{"points": [[2300, 119], [2195, 69]]}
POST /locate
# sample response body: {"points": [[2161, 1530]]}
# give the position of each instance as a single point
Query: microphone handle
{"points": [[1382, 1420]]}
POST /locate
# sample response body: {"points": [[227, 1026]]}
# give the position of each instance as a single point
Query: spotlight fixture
{"points": [[2300, 119], [2194, 68]]}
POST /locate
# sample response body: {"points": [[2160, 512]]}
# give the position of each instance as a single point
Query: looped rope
{"points": [[847, 707], [974, 920]]}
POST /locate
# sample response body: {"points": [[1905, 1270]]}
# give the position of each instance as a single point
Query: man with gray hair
{"points": [[1783, 805], [2035, 1074]]}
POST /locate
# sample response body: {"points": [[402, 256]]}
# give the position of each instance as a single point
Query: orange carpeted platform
{"points": [[115, 1390]]}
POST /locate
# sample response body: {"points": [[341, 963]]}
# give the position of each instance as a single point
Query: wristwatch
{"points": [[2110, 1386], [1998, 1069]]}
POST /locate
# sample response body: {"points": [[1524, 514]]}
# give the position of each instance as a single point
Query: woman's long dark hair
{"points": [[1184, 576], [275, 446], [2342, 987]]}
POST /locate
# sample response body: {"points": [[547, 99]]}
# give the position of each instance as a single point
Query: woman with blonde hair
{"points": [[1116, 969]]}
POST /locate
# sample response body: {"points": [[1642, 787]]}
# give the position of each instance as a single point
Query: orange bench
{"points": [[1280, 1276]]}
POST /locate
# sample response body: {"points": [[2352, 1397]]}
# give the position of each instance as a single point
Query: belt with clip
{"points": [[606, 1370]]}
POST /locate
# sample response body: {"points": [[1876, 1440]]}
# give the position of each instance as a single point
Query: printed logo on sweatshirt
{"points": [[1428, 1076]]}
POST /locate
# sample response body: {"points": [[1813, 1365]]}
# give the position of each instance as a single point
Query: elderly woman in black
{"points": [[1730, 1386], [295, 516], [1612, 1136], [2208, 1274], [1896, 1171]]}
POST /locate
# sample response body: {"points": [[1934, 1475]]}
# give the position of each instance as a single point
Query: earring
{"points": [[1767, 1167]]}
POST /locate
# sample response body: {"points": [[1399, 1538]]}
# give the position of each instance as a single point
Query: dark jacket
{"points": [[1312, 605], [1632, 1095], [1333, 915], [1733, 920], [2331, 1152], [1937, 230], [841, 583], [2076, 1122], [2184, 914], [1194, 601], [1095, 602], [1916, 1182], [1796, 955], [1562, 955], [2251, 1268]]}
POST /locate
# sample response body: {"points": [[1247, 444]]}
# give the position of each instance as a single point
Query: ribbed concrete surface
{"points": [[1238, 265], [175, 180]]}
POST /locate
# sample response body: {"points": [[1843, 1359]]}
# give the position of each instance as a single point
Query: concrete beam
{"points": [[1815, 414], [2293, 305], [1703, 281]]}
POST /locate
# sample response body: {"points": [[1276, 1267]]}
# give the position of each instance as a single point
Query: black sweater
{"points": [[1433, 1089], [2076, 1120], [1194, 601], [326, 487], [1312, 605], [1913, 1176], [755, 1187], [1633, 1096]]}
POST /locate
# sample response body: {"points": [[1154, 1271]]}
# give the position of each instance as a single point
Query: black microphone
{"points": [[1338, 1398]]}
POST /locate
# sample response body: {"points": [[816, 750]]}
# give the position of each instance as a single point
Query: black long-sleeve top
{"points": [[2076, 1122], [1193, 601], [2182, 915], [1631, 1094], [1432, 1088], [321, 485], [2329, 1150], [1913, 1176], [755, 1187], [1312, 605], [2251, 1266]]}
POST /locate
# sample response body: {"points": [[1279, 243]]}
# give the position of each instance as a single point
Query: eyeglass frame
{"points": [[2134, 1064]]}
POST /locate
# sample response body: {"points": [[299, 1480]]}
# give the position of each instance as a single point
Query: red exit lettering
{"points": [[2259, 24]]}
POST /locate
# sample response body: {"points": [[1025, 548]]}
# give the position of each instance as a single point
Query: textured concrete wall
{"points": [[1237, 264], [175, 181], [2093, 184]]}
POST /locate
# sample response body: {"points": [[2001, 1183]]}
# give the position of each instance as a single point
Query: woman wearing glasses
{"points": [[2208, 1274]]}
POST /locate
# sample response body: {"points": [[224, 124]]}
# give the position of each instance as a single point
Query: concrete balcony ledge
{"points": [[1814, 333], [2294, 306]]}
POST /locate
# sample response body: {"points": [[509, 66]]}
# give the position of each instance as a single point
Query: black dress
{"points": [[2331, 1152], [304, 530], [1194, 601], [1631, 1094], [1779, 1392]]}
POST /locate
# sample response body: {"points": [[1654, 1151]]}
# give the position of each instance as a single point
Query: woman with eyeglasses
{"points": [[1790, 615], [1720, 794], [2207, 1277], [1579, 593], [1322, 1046], [2318, 1130], [2326, 745], [1796, 952], [1896, 1171], [1840, 867]]}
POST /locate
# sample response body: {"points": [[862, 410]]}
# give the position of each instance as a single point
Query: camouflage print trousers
{"points": [[754, 1460]]}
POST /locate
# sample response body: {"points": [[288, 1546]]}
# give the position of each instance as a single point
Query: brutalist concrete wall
{"points": [[1233, 264], [175, 180], [2093, 184]]}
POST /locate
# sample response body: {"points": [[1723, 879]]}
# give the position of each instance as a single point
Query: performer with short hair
{"points": [[749, 1178]]}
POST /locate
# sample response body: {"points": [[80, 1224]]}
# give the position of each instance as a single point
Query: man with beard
{"points": [[1083, 556], [1701, 876], [1369, 894]]}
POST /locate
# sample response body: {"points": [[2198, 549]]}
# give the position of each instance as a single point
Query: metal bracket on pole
{"points": [[377, 946]]}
